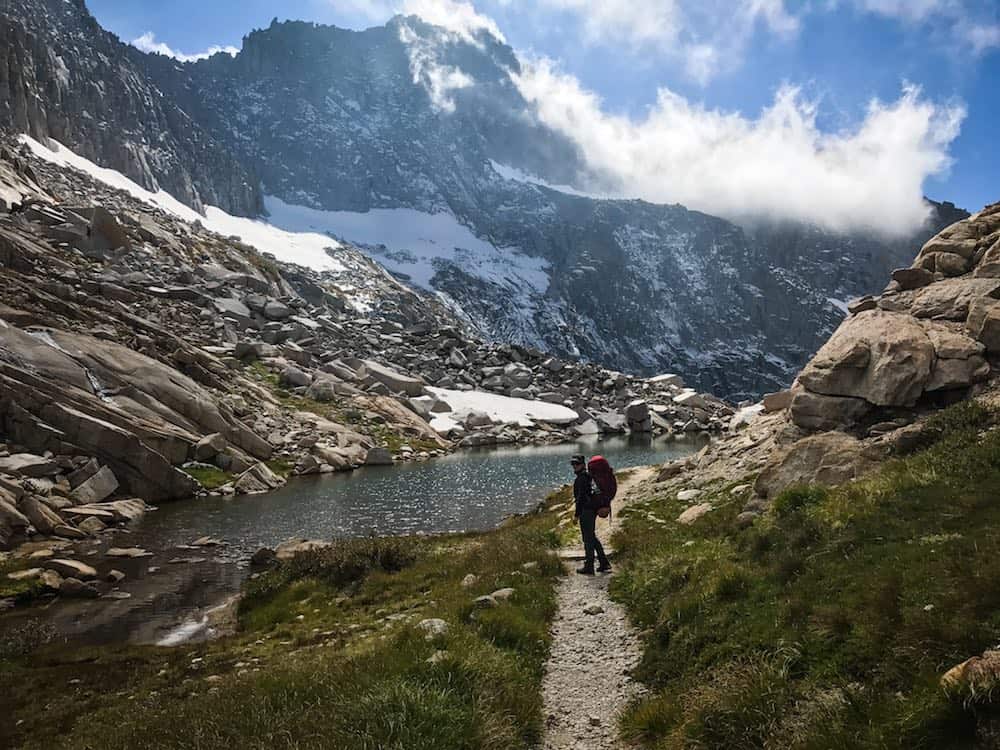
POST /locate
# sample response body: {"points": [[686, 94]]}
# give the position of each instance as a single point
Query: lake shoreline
{"points": [[185, 566]]}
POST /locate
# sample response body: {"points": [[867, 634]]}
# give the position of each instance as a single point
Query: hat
{"points": [[578, 459]]}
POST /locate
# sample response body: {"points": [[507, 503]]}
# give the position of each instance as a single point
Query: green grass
{"points": [[21, 591], [829, 623], [328, 655], [209, 477], [280, 466]]}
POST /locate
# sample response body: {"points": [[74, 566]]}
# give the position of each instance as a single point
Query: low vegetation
{"points": [[209, 477], [830, 622], [329, 653]]}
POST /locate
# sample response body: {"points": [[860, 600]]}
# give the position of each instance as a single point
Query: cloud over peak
{"points": [[779, 164], [147, 43]]}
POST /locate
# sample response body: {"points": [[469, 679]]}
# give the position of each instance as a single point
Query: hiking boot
{"points": [[586, 570], [605, 567]]}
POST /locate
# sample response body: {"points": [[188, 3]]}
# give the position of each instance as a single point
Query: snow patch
{"points": [[304, 248], [514, 174], [502, 408], [745, 416], [443, 424], [839, 304], [413, 243]]}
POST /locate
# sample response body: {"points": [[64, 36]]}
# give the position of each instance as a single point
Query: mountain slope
{"points": [[356, 121], [414, 143]]}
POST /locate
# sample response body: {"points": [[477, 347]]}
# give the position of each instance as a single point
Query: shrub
{"points": [[797, 498]]}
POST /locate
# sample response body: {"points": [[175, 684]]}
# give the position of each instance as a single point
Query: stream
{"points": [[171, 592]]}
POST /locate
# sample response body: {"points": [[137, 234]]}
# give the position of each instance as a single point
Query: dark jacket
{"points": [[583, 492]]}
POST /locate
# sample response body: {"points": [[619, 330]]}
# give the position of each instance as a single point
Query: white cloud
{"points": [[969, 22], [458, 17], [707, 37], [427, 70], [909, 10], [147, 43], [779, 164], [981, 37]]}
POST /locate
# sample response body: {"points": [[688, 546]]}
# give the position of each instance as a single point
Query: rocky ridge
{"points": [[928, 341], [633, 285], [141, 356], [64, 77]]}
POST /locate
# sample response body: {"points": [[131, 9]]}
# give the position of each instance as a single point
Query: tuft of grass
{"points": [[209, 477], [281, 467], [828, 623], [21, 591]]}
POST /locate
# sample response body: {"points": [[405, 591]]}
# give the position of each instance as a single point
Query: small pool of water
{"points": [[467, 490]]}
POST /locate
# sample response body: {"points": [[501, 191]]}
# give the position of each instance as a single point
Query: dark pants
{"points": [[591, 544]]}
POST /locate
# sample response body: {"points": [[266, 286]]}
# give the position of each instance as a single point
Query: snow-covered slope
{"points": [[416, 244], [310, 249]]}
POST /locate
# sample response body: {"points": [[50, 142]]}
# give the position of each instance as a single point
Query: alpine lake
{"points": [[172, 593]]}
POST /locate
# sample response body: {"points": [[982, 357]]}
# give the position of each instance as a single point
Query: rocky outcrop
{"points": [[63, 76], [931, 331], [69, 393], [830, 458]]}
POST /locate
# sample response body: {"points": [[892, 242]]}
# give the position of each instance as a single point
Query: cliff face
{"points": [[64, 77]]}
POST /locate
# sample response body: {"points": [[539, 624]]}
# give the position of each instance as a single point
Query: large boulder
{"points": [[959, 359], [983, 323], [293, 377], [950, 299], [830, 458], [13, 523], [884, 358], [378, 456], [257, 479], [71, 568], [610, 422], [393, 380], [44, 519], [29, 465], [519, 374], [97, 488], [638, 417]]}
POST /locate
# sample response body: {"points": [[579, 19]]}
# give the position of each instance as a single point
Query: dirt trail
{"points": [[587, 682]]}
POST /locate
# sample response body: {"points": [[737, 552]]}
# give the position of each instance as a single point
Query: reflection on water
{"points": [[468, 490]]}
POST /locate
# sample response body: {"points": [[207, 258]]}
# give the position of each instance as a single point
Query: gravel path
{"points": [[587, 682]]}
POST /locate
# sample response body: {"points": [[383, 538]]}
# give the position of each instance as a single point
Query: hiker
{"points": [[588, 500]]}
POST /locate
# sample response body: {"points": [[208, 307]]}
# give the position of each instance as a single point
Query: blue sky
{"points": [[724, 64]]}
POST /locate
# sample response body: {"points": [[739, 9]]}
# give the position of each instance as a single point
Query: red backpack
{"points": [[603, 477]]}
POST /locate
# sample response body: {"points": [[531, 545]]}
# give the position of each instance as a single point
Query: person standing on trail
{"points": [[587, 499]]}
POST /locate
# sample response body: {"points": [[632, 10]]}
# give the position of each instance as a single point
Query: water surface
{"points": [[467, 490]]}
